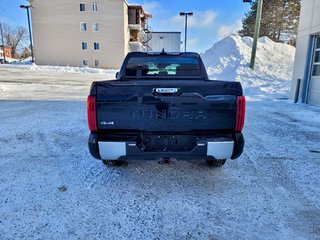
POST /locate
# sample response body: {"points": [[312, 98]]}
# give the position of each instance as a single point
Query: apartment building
{"points": [[95, 33], [307, 60]]}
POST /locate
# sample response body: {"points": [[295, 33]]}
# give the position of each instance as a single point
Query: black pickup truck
{"points": [[163, 106]]}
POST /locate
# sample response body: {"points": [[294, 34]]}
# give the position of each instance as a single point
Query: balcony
{"points": [[137, 23], [136, 46], [137, 27]]}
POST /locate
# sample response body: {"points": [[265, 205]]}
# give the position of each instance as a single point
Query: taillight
{"points": [[92, 113], [241, 111]]}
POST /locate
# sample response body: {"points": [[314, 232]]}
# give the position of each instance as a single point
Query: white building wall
{"points": [[309, 26], [170, 41], [126, 28], [58, 39]]}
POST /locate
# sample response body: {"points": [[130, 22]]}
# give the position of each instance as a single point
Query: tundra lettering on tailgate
{"points": [[167, 114]]}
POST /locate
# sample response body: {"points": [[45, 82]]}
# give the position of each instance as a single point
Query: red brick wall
{"points": [[7, 52]]}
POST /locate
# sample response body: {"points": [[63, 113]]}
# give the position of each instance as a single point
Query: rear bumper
{"points": [[230, 148]]}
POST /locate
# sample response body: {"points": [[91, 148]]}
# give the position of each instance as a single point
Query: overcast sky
{"points": [[212, 20]]}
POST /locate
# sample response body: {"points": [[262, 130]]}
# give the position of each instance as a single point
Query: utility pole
{"points": [[30, 35], [186, 14], [4, 54], [256, 34]]}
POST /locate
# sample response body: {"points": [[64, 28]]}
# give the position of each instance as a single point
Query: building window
{"points": [[316, 61], [84, 62], [84, 45], [83, 27], [96, 63], [316, 70], [95, 7], [318, 43], [96, 46], [95, 27], [82, 7]]}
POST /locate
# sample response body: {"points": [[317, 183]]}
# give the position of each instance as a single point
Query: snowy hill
{"points": [[229, 59]]}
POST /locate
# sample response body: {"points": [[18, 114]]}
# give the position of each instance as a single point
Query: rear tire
{"points": [[216, 163]]}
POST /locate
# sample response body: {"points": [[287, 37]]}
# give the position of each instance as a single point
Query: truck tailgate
{"points": [[166, 106]]}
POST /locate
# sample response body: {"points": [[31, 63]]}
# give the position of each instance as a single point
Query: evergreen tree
{"points": [[292, 21], [25, 53], [279, 20]]}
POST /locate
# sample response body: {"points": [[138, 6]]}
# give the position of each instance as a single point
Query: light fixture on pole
{"points": [[30, 35], [186, 14]]}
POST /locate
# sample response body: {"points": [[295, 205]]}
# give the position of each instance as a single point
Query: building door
{"points": [[314, 84]]}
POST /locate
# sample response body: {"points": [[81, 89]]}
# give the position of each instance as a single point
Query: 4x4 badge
{"points": [[106, 123]]}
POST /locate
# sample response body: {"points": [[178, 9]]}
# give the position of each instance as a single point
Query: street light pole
{"points": [[186, 14], [30, 35], [4, 54], [256, 34]]}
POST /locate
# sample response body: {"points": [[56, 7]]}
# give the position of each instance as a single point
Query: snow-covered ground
{"points": [[229, 59], [51, 188], [48, 82]]}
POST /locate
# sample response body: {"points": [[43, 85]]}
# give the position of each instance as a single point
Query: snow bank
{"points": [[66, 69], [229, 59], [72, 69]]}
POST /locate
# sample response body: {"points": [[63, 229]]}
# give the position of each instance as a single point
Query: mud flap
{"points": [[93, 146], [238, 145]]}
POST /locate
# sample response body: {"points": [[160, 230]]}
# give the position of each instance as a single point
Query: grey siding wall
{"points": [[309, 26], [170, 41]]}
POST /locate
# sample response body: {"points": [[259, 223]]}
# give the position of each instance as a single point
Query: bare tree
{"points": [[14, 37]]}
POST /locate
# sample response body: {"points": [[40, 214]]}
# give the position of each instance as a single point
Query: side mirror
{"points": [[117, 75]]}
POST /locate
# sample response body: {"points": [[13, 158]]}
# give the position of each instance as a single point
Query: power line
{"points": [[5, 12]]}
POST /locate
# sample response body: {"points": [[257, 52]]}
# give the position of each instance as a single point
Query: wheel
{"points": [[112, 162], [216, 163]]}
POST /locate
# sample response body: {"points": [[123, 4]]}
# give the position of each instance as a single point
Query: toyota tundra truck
{"points": [[164, 106]]}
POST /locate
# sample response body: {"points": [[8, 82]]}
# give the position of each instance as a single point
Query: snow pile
{"points": [[229, 59], [26, 61], [10, 60], [72, 69], [67, 69]]}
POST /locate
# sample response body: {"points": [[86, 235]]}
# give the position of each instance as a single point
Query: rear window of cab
{"points": [[164, 66]]}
